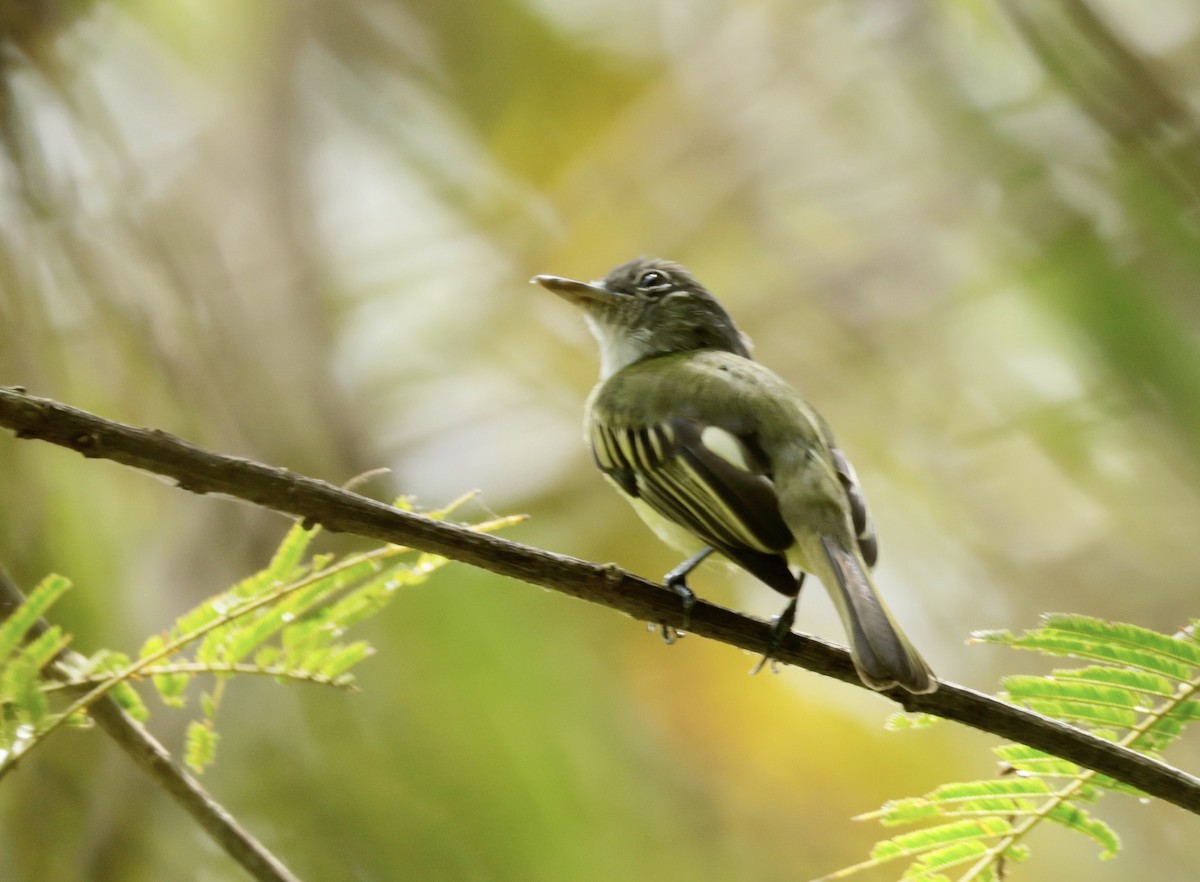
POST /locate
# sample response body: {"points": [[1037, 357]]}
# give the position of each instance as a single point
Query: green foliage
{"points": [[288, 621], [201, 749], [24, 709], [1139, 691]]}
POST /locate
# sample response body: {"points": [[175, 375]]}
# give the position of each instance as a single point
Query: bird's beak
{"points": [[579, 293]]}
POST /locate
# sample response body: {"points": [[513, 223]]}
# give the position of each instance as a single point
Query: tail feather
{"points": [[882, 654]]}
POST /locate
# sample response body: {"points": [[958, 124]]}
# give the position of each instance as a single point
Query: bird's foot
{"points": [[781, 626], [676, 580], [687, 598]]}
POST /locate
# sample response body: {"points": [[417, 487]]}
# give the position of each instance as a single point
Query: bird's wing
{"points": [[864, 526], [713, 482]]}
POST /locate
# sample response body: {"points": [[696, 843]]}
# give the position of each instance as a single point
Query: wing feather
{"points": [[731, 508], [864, 527]]}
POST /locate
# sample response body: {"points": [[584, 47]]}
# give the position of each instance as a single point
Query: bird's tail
{"points": [[882, 654]]}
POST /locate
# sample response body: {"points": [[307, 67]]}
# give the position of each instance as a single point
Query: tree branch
{"points": [[154, 759], [203, 471]]}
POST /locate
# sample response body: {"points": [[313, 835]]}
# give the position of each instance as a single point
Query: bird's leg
{"points": [[676, 580], [781, 626]]}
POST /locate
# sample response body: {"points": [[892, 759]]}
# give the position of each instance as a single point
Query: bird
{"points": [[718, 454]]}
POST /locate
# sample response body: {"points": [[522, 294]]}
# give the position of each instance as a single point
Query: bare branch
{"points": [[203, 471], [154, 759]]}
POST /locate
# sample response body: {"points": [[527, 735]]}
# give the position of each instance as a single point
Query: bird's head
{"points": [[649, 307]]}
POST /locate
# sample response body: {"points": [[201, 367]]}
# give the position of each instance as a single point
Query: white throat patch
{"points": [[618, 348]]}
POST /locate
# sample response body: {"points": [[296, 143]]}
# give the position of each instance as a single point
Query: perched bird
{"points": [[717, 453]]}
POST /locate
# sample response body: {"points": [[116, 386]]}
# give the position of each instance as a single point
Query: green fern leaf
{"points": [[311, 662], [246, 637], [1077, 819], [1036, 762], [1134, 681], [300, 637], [1186, 711], [934, 864], [153, 645], [129, 701], [17, 625], [902, 811], [172, 688], [208, 705], [1089, 716], [364, 602], [1057, 644], [931, 838], [901, 721], [344, 658], [1023, 688], [1133, 636], [21, 693], [266, 656], [200, 749], [1138, 690], [44, 648], [201, 617], [287, 563], [1003, 796]]}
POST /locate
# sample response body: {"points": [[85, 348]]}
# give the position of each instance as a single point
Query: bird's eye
{"points": [[652, 280]]}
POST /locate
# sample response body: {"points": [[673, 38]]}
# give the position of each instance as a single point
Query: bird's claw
{"points": [[777, 634], [781, 626], [676, 580], [687, 597], [670, 634]]}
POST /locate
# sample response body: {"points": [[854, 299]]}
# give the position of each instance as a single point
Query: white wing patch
{"points": [[726, 446]]}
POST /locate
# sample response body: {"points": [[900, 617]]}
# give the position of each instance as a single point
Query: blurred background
{"points": [[301, 232]]}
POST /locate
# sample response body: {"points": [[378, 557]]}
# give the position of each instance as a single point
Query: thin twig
{"points": [[244, 669], [154, 759], [203, 471], [135, 668]]}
